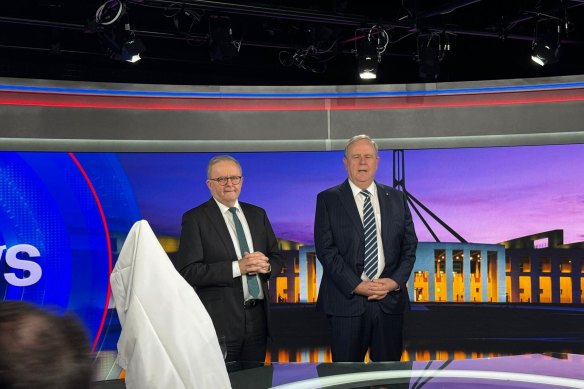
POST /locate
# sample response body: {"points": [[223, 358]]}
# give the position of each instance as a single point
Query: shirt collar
{"points": [[356, 190], [223, 208]]}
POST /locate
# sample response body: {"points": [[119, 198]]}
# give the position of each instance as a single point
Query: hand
{"points": [[376, 289], [253, 263], [381, 287], [364, 289]]}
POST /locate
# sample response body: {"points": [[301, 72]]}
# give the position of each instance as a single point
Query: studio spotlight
{"points": [[124, 46], [545, 48], [121, 44], [116, 35], [368, 61], [431, 50], [130, 51], [369, 50], [222, 46], [429, 64]]}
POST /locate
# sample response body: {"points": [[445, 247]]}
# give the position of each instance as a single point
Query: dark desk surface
{"points": [[533, 371]]}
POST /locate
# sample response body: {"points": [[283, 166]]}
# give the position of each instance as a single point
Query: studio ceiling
{"points": [[290, 42]]}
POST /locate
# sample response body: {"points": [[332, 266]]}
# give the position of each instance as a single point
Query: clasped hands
{"points": [[253, 263], [376, 289]]}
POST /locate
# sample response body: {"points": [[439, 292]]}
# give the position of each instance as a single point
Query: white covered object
{"points": [[168, 339]]}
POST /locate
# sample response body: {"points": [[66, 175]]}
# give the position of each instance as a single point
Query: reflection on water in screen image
{"points": [[323, 354]]}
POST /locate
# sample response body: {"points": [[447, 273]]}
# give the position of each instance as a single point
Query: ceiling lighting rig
{"points": [[115, 33], [545, 48], [222, 45], [550, 28], [370, 45], [431, 49], [310, 58], [185, 20], [327, 38], [318, 46]]}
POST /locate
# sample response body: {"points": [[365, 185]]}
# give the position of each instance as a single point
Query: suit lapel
{"points": [[218, 222], [348, 201], [383, 197], [254, 229]]}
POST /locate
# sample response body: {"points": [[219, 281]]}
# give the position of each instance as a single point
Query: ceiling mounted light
{"points": [[545, 48], [368, 60], [115, 33], [120, 43], [123, 46], [431, 50], [130, 51], [369, 50], [222, 46]]}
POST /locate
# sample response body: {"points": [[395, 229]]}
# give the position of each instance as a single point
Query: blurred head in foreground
{"points": [[39, 349]]}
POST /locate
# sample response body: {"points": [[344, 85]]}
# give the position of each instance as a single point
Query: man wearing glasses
{"points": [[227, 252]]}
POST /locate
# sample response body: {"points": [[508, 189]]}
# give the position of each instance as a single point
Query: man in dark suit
{"points": [[227, 252], [365, 240]]}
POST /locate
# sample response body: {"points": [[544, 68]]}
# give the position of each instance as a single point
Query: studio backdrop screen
{"points": [[64, 216]]}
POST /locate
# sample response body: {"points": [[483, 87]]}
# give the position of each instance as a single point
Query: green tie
{"points": [[252, 280]]}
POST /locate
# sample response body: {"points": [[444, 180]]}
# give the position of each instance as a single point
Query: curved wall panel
{"points": [[63, 116]]}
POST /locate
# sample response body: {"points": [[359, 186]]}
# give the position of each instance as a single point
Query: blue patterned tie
{"points": [[253, 286], [370, 231]]}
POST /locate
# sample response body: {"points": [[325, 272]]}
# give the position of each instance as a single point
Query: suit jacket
{"points": [[340, 246], [205, 257]]}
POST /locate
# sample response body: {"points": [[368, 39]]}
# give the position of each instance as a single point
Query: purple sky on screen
{"points": [[487, 195]]}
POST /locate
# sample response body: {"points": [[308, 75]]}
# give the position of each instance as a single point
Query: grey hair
{"points": [[221, 158], [357, 138]]}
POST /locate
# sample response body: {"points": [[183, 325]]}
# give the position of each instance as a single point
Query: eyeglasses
{"points": [[223, 180]]}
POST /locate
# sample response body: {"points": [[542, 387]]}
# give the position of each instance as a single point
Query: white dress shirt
{"points": [[228, 217], [360, 201]]}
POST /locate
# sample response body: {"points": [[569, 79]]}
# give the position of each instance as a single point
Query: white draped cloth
{"points": [[167, 339]]}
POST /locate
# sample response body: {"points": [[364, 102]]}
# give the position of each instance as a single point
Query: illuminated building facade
{"points": [[458, 272], [285, 288], [300, 277], [443, 272], [310, 274], [542, 269], [537, 268]]}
